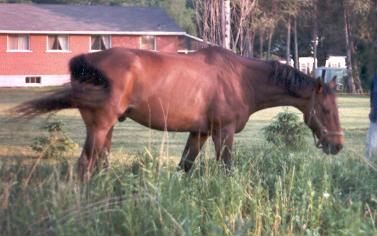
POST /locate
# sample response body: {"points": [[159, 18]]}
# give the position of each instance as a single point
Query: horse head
{"points": [[323, 119]]}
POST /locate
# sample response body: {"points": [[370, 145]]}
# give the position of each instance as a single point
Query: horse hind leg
{"points": [[193, 146]]}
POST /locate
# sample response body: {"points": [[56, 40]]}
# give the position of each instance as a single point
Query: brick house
{"points": [[37, 40]]}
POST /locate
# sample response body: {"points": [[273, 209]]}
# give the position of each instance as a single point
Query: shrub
{"points": [[56, 144], [287, 131]]}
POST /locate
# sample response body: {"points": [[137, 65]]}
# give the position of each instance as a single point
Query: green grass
{"points": [[270, 192], [132, 137]]}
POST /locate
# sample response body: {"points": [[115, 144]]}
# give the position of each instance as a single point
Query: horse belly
{"points": [[168, 119]]}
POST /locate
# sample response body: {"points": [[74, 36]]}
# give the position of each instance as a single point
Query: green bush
{"points": [[56, 144], [287, 131]]}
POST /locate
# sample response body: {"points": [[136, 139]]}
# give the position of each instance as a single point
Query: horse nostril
{"points": [[336, 148]]}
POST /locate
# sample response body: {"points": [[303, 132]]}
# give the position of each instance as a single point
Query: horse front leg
{"points": [[223, 140], [193, 146], [94, 151], [107, 148]]}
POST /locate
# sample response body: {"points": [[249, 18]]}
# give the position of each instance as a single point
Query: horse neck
{"points": [[267, 94]]}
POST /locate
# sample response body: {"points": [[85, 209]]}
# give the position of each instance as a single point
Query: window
{"points": [[100, 42], [303, 67], [309, 67], [33, 80], [148, 42], [18, 42], [57, 43]]}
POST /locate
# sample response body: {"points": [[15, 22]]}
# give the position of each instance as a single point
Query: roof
{"points": [[49, 18]]}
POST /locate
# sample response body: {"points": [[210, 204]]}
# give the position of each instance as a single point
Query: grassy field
{"points": [[132, 137], [271, 191]]}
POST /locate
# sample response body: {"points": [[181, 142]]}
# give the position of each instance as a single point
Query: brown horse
{"points": [[211, 92]]}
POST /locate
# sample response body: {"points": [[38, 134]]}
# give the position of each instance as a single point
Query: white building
{"points": [[306, 64], [336, 62]]}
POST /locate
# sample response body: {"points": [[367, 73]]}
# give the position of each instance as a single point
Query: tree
{"points": [[338, 34], [207, 16], [357, 7], [315, 38], [290, 11], [181, 13], [268, 16], [225, 21], [242, 10], [210, 13]]}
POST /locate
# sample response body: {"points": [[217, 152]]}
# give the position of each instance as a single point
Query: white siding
{"points": [[46, 80]]}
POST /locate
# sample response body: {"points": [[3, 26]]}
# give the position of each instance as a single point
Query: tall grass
{"points": [[270, 192]]}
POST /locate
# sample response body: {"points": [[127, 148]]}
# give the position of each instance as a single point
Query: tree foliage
{"points": [[263, 29]]}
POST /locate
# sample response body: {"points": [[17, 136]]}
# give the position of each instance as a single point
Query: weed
{"points": [[287, 131], [56, 144]]}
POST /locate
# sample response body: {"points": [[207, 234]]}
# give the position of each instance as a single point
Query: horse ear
{"points": [[332, 83], [319, 85]]}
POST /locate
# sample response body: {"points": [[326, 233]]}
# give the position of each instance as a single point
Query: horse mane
{"points": [[84, 72], [290, 78]]}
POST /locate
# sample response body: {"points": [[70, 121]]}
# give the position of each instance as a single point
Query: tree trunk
{"points": [[297, 63], [350, 82], [315, 52], [226, 23], [288, 49], [261, 42], [270, 34], [359, 87], [242, 44], [250, 43], [315, 36], [355, 67]]}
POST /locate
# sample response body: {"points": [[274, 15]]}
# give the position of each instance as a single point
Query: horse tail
{"points": [[89, 88], [56, 101]]}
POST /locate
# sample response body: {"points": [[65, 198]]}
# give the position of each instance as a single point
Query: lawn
{"points": [[132, 138], [272, 191]]}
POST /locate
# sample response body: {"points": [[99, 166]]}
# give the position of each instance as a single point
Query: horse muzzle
{"points": [[329, 142], [330, 148]]}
